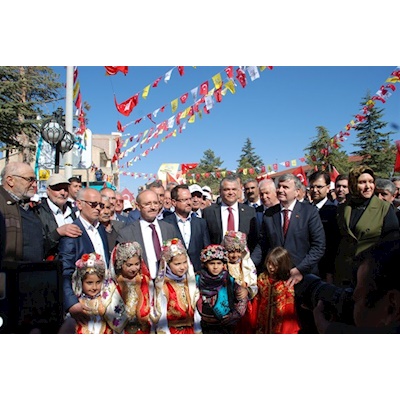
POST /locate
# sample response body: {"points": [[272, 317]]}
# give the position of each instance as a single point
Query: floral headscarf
{"points": [[172, 248], [88, 264], [214, 252], [123, 252]]}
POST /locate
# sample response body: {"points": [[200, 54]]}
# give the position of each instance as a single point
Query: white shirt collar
{"points": [[321, 203]]}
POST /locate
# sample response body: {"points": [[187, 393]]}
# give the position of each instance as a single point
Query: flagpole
{"points": [[68, 167]]}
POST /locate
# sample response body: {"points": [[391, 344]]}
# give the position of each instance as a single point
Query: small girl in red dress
{"points": [[276, 312], [176, 292]]}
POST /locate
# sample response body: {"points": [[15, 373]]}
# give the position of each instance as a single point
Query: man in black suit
{"points": [[319, 188], [193, 230], [141, 230], [268, 198], [252, 193], [93, 239], [244, 216]]}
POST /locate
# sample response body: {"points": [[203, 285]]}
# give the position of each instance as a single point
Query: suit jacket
{"points": [[133, 215], [259, 215], [133, 233], [247, 223], [199, 238], [305, 238], [112, 236], [70, 251]]}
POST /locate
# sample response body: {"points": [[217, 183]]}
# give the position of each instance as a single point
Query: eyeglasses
{"points": [[184, 200], [31, 179], [319, 187], [119, 201], [153, 204], [94, 204]]}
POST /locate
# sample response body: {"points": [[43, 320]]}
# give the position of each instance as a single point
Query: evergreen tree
{"points": [[23, 93], [375, 145], [209, 170], [321, 155], [249, 161]]}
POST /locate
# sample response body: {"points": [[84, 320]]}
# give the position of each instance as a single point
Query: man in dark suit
{"points": [[141, 230], [268, 198], [111, 194], [244, 216], [193, 230], [93, 239], [319, 188], [252, 193]]}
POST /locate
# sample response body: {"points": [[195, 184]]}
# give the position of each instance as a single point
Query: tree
{"points": [[375, 146], [322, 155], [208, 172], [249, 161], [23, 93]]}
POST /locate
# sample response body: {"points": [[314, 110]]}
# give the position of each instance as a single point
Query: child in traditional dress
{"points": [[94, 290], [176, 291], [242, 268], [132, 279], [222, 301], [276, 312]]}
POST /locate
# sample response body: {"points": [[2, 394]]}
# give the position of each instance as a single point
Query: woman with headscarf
{"points": [[363, 220]]}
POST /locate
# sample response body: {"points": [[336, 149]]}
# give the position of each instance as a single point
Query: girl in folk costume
{"points": [[132, 277], [242, 268], [176, 292], [222, 301], [95, 290], [276, 312]]}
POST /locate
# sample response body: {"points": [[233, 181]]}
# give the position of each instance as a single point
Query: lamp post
{"points": [[54, 133]]}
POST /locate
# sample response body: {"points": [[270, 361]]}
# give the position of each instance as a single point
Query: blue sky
{"points": [[279, 112]]}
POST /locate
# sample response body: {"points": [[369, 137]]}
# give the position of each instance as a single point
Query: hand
{"points": [[226, 319], [79, 313], [70, 230], [295, 277], [242, 293], [319, 317]]}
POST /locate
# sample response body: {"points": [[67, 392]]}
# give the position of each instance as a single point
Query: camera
{"points": [[338, 302]]}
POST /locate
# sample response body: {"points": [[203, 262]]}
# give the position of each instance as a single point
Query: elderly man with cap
{"points": [[56, 215], [197, 199], [24, 236]]}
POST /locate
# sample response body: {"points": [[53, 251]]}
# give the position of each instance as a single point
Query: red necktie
{"points": [[156, 241], [231, 220], [285, 222]]}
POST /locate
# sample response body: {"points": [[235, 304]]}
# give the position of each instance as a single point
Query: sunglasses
{"points": [[94, 204]]}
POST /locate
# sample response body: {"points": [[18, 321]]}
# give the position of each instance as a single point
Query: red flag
{"points": [[241, 77], [218, 95], [155, 83], [204, 88], [171, 179], [287, 163], [126, 107], [334, 174], [206, 110], [115, 70], [275, 167], [229, 72], [397, 162], [184, 97], [181, 70], [120, 127], [149, 117], [187, 167], [299, 172]]}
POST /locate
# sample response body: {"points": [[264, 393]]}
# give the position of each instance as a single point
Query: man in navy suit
{"points": [[93, 239], [320, 182], [193, 230], [305, 237], [141, 230], [244, 216]]}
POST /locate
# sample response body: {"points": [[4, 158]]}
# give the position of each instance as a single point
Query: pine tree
{"points": [[249, 162], [208, 171], [23, 93], [321, 155], [375, 146]]}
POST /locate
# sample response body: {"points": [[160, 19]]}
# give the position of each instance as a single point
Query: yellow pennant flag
{"points": [[146, 92], [294, 163], [230, 86], [245, 171], [174, 105], [192, 119], [223, 173], [184, 113], [262, 68], [211, 92], [174, 133], [393, 79], [76, 90], [217, 80]]}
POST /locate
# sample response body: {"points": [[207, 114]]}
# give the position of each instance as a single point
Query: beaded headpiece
{"points": [[234, 240], [214, 252], [88, 264], [123, 252], [172, 248]]}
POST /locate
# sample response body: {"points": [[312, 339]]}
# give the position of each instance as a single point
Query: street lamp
{"points": [[54, 133]]}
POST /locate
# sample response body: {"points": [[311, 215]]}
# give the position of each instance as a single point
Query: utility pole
{"points": [[69, 108]]}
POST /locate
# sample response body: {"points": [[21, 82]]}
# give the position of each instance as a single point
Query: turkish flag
{"points": [[120, 127], [181, 70], [229, 72], [299, 172], [334, 174], [184, 97], [241, 77], [126, 107], [397, 162], [155, 83], [204, 88], [115, 70], [187, 167], [218, 95]]}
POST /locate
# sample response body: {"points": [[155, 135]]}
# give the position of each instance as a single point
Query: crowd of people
{"points": [[269, 256]]}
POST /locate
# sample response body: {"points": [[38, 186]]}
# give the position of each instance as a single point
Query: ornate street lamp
{"points": [[54, 133]]}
